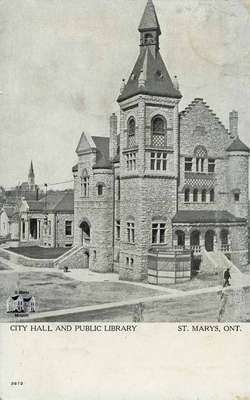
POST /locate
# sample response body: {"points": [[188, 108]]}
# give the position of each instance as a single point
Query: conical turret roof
{"points": [[149, 19], [31, 170]]}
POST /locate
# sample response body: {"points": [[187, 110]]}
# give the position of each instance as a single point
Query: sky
{"points": [[62, 64]]}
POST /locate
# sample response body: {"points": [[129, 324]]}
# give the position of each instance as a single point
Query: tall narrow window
{"points": [[158, 132], [204, 196], [195, 195], [131, 132], [211, 195], [237, 197], [188, 164], [85, 184], [118, 229], [187, 195], [211, 165], [131, 232], [158, 233], [118, 188], [100, 189], [68, 228]]}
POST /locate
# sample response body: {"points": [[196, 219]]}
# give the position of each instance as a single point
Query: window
{"points": [[237, 197], [68, 228], [85, 184], [94, 255], [211, 196], [211, 165], [200, 164], [131, 161], [118, 229], [195, 195], [187, 195], [131, 132], [148, 38], [158, 132], [127, 261], [158, 161], [204, 196], [118, 188], [131, 262], [100, 189], [49, 226], [188, 164], [158, 233], [131, 232]]}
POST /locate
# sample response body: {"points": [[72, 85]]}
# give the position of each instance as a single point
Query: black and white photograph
{"points": [[124, 161]]}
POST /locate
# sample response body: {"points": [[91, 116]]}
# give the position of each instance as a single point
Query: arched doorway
{"points": [[85, 227], [86, 260], [180, 236], [209, 240]]}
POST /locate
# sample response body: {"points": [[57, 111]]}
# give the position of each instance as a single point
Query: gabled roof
{"points": [[149, 19], [35, 205], [238, 145], [85, 143], [102, 152], [201, 216], [60, 201], [10, 210], [155, 75]]}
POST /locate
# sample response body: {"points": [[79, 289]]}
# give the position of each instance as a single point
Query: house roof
{"points": [[149, 19], [102, 152], [238, 145], [10, 210], [155, 75], [201, 216], [35, 205], [59, 201]]}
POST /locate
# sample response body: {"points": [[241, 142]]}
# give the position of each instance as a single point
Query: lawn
{"points": [[198, 308], [201, 280], [55, 291], [39, 252]]}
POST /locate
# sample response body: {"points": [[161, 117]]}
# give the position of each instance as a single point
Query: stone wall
{"points": [[25, 261]]}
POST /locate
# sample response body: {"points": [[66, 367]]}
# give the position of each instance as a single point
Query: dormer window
{"points": [[148, 38]]}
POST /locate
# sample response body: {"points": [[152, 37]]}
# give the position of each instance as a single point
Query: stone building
{"points": [[152, 200], [47, 222]]}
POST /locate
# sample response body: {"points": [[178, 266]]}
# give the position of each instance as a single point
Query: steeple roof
{"points": [[149, 19], [238, 145], [31, 171], [153, 72]]}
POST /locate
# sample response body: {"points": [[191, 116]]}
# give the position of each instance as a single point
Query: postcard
{"points": [[124, 200]]}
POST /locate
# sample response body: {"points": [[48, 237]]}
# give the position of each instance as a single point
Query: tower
{"points": [[31, 177], [148, 153]]}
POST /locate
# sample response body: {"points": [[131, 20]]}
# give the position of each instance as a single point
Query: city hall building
{"points": [[166, 191]]}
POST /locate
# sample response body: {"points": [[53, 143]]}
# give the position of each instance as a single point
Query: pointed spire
{"points": [[149, 19], [31, 171]]}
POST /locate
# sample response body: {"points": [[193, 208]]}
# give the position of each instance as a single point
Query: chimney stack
{"points": [[233, 123], [113, 136]]}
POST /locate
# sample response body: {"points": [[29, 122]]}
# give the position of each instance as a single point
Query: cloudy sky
{"points": [[62, 62]]}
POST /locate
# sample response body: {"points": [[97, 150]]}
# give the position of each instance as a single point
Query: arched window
{"points": [[204, 196], [131, 132], [195, 195], [211, 195], [158, 129], [100, 187], [187, 195]]}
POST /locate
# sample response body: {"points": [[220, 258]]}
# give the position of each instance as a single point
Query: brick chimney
{"points": [[113, 136], [233, 123]]}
